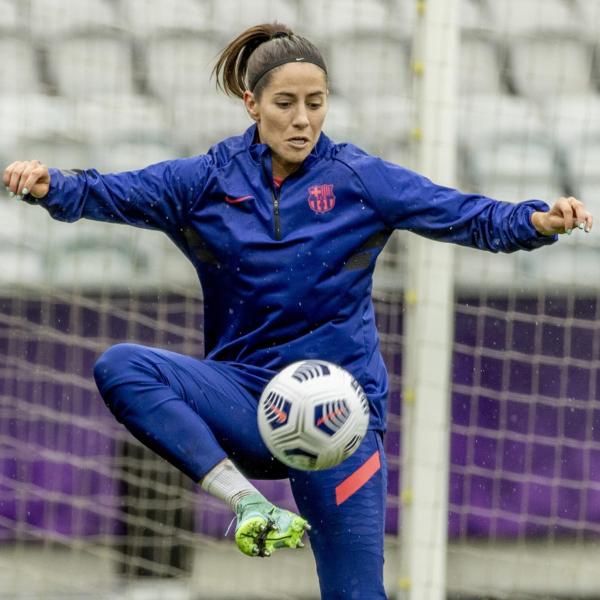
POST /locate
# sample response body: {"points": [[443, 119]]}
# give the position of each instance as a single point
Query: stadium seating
{"points": [[398, 152], [130, 154], [22, 263], [387, 122], [119, 116], [515, 17], [64, 152], [482, 62], [550, 64], [508, 153], [324, 20], [90, 62], [583, 159], [81, 253], [180, 62], [342, 123], [20, 74], [474, 14], [485, 117], [27, 114], [230, 17], [21, 242], [49, 19], [574, 119], [147, 17], [11, 18], [194, 131], [514, 168], [122, 132], [370, 64], [589, 10]]}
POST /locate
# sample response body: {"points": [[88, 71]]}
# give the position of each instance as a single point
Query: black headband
{"points": [[290, 59]]}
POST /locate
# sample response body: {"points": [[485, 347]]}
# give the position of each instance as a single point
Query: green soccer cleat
{"points": [[262, 528]]}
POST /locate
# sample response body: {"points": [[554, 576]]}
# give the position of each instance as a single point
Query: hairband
{"points": [[289, 59]]}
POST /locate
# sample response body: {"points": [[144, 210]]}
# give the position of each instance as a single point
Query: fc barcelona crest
{"points": [[321, 198]]}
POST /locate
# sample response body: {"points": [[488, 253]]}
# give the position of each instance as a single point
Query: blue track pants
{"points": [[195, 413]]}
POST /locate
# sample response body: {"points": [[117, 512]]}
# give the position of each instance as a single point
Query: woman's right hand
{"points": [[27, 177]]}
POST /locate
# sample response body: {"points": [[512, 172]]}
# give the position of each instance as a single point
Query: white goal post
{"points": [[429, 317]]}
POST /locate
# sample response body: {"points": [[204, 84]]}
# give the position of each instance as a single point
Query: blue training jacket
{"points": [[287, 273]]}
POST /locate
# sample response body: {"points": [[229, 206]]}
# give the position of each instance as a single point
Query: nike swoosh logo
{"points": [[236, 200]]}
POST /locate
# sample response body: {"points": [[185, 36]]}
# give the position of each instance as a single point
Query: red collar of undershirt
{"points": [[278, 181]]}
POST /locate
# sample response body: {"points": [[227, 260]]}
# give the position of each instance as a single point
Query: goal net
{"points": [[524, 516]]}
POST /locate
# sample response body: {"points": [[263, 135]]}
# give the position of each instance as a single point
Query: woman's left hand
{"points": [[565, 215]]}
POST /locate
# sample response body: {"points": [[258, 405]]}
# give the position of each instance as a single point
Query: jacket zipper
{"points": [[276, 193], [276, 196]]}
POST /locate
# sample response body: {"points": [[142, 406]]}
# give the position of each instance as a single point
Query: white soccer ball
{"points": [[312, 415]]}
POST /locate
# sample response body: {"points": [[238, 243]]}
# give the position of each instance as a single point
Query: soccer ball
{"points": [[312, 415]]}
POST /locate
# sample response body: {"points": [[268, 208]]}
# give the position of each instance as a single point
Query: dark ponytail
{"points": [[246, 62]]}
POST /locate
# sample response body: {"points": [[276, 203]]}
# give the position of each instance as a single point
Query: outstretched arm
{"points": [[407, 200], [157, 197]]}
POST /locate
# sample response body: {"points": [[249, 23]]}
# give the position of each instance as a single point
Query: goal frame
{"points": [[429, 317]]}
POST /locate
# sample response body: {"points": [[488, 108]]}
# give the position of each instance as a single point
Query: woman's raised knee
{"points": [[115, 362]]}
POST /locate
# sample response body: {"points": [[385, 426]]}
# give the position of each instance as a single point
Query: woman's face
{"points": [[290, 113]]}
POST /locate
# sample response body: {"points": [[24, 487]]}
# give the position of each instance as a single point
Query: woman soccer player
{"points": [[284, 227]]}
